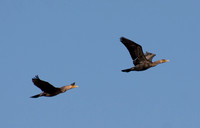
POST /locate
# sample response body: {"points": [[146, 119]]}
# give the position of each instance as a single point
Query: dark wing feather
{"points": [[43, 85], [149, 56], [134, 49]]}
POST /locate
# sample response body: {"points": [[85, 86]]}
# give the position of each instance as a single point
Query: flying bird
{"points": [[140, 60], [48, 89]]}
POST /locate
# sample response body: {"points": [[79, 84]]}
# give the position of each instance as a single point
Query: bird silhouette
{"points": [[48, 89], [140, 60]]}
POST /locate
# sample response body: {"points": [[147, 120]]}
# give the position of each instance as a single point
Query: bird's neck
{"points": [[65, 88], [156, 63]]}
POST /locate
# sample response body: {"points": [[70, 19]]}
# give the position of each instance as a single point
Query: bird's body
{"points": [[48, 89], [140, 60]]}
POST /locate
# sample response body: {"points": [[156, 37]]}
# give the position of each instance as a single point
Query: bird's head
{"points": [[74, 86], [67, 87], [163, 61]]}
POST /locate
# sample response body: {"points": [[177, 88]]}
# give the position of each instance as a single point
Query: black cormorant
{"points": [[140, 60]]}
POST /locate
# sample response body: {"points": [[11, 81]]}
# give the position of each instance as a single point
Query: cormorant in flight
{"points": [[48, 89], [140, 60]]}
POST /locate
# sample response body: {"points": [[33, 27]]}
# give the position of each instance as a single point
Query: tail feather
{"points": [[36, 96], [127, 70]]}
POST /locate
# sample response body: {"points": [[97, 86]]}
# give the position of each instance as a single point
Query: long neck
{"points": [[65, 88], [156, 63]]}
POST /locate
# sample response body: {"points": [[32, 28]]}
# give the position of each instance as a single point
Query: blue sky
{"points": [[65, 41]]}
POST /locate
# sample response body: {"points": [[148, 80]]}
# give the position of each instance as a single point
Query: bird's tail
{"points": [[127, 70], [36, 96]]}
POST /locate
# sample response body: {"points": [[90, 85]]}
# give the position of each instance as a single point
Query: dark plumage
{"points": [[140, 60], [48, 89]]}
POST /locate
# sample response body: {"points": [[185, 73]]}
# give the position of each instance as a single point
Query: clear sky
{"points": [[65, 41]]}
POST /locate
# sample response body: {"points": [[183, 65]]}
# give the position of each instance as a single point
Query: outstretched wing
{"points": [[43, 85], [134, 49], [149, 56]]}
